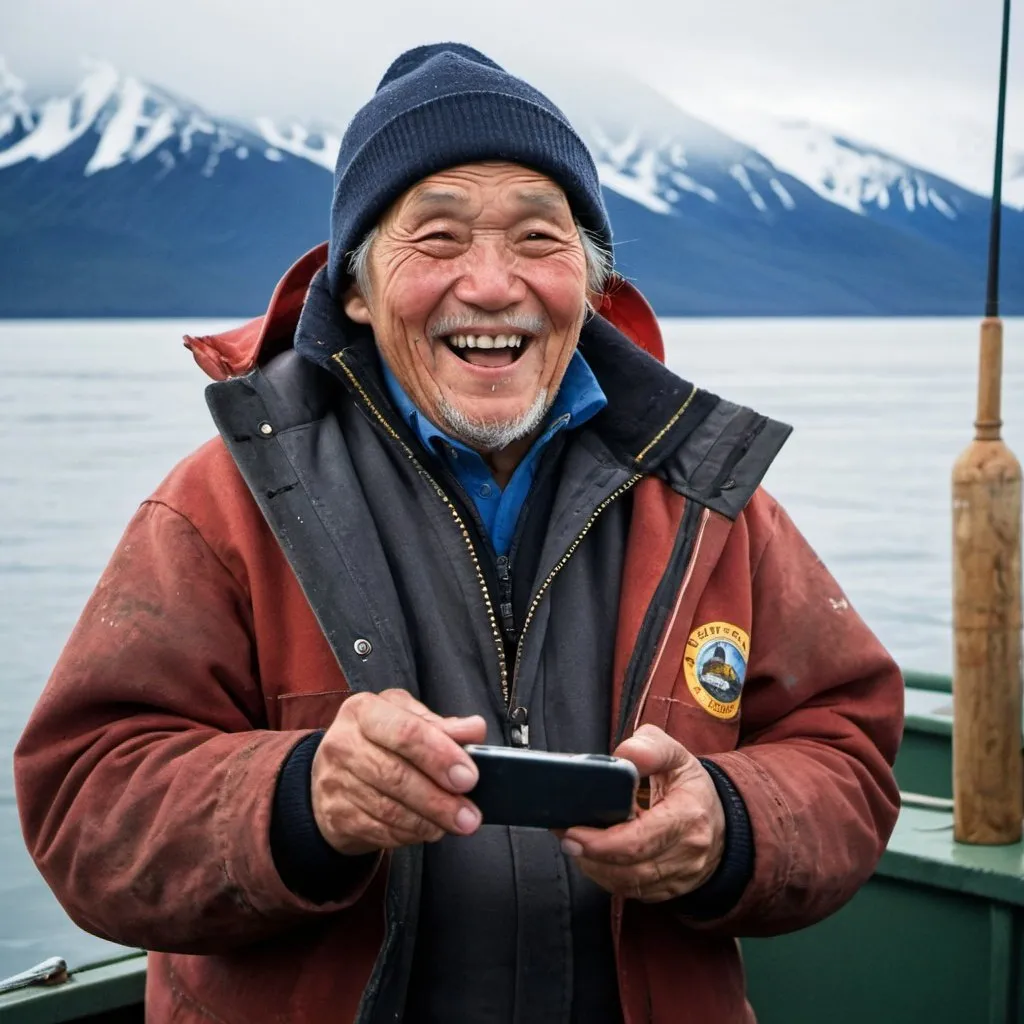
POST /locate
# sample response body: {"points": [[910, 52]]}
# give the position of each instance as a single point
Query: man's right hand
{"points": [[389, 772]]}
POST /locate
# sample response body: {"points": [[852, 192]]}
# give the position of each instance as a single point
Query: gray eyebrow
{"points": [[439, 197], [546, 198]]}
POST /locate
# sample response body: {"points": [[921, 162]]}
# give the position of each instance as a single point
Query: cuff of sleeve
{"points": [[306, 862], [722, 891]]}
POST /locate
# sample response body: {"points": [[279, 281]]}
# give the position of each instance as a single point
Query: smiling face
{"points": [[477, 293]]}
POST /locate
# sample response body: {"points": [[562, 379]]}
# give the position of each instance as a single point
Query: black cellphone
{"points": [[538, 789]]}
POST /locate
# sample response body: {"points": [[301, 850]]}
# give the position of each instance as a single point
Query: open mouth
{"points": [[488, 350]]}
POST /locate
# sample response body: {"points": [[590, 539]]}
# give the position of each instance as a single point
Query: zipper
{"points": [[691, 562], [519, 728], [646, 653], [508, 621], [459, 522], [518, 717]]}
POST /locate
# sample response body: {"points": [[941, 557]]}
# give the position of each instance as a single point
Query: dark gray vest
{"points": [[497, 927]]}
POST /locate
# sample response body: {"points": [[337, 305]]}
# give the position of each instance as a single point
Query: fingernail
{"points": [[462, 777], [571, 847], [467, 819]]}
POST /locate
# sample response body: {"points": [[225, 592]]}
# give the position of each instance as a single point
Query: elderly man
{"points": [[454, 500]]}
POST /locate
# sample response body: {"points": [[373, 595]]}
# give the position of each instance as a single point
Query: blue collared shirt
{"points": [[579, 398]]}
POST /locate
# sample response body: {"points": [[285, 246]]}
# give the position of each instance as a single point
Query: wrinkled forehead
{"points": [[463, 190]]}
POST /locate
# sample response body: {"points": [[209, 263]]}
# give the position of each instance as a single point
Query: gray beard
{"points": [[493, 435]]}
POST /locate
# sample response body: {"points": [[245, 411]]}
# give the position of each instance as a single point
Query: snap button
{"points": [[265, 429], [485, 490], [362, 647]]}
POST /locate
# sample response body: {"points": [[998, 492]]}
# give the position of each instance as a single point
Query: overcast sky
{"points": [[878, 68]]}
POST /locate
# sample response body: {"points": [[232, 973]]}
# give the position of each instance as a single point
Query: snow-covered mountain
{"points": [[963, 151], [882, 187], [795, 186], [957, 153], [854, 175], [124, 120], [123, 198], [650, 151], [140, 201], [770, 172]]}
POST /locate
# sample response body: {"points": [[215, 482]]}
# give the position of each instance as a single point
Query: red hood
{"points": [[236, 352]]}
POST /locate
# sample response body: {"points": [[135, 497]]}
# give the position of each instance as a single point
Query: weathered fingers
{"points": [[389, 772]]}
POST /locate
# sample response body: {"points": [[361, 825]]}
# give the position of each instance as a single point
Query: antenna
{"points": [[995, 225]]}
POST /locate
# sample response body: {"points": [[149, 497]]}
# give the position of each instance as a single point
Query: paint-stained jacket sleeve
{"points": [[146, 775], [822, 717]]}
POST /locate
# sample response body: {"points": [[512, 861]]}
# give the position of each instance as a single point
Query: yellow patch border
{"points": [[713, 632]]}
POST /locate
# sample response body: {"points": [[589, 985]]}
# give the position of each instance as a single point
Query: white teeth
{"points": [[485, 341]]}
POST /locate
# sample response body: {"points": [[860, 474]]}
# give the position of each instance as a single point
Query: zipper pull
{"points": [[508, 622], [520, 730]]}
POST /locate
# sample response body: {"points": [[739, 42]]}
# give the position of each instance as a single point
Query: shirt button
{"points": [[452, 453], [485, 490]]}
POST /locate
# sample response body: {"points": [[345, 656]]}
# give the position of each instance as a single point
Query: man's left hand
{"points": [[669, 849]]}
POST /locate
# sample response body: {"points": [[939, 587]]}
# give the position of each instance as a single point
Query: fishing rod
{"points": [[988, 784]]}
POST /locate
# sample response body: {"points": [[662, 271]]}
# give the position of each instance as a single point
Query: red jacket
{"points": [[146, 774]]}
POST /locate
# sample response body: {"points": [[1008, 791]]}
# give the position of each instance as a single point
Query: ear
{"points": [[355, 306]]}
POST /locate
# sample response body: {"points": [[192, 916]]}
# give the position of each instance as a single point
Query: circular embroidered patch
{"points": [[715, 665]]}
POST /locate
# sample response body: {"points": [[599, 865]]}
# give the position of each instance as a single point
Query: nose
{"points": [[488, 277]]}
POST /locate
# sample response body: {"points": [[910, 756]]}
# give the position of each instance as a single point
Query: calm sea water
{"points": [[93, 415]]}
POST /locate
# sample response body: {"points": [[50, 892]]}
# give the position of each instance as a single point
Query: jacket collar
{"points": [[650, 410], [236, 352]]}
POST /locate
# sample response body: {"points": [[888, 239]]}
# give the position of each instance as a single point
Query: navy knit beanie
{"points": [[439, 106]]}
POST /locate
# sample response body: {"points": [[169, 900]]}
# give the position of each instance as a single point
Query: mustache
{"points": [[508, 323]]}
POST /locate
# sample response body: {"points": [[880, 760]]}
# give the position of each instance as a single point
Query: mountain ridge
{"points": [[140, 202]]}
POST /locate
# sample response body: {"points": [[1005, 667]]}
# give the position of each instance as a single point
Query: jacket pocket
{"points": [[698, 730], [307, 710]]}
